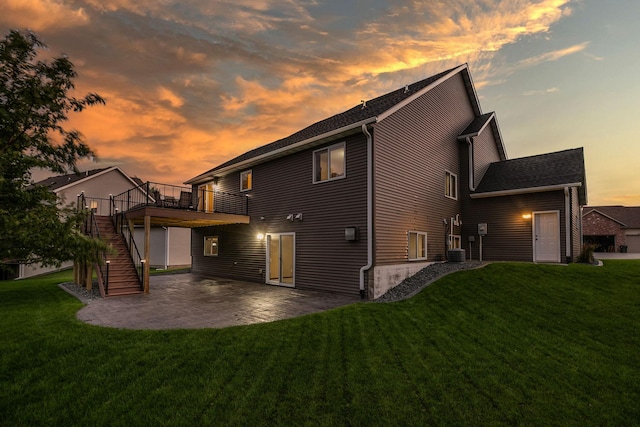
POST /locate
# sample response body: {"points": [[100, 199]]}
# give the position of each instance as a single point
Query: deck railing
{"points": [[179, 197]]}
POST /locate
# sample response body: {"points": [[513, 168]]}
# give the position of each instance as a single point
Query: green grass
{"points": [[507, 344]]}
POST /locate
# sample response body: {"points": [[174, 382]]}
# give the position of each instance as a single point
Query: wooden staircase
{"points": [[123, 277]]}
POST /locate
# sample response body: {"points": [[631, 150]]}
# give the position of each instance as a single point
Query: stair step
{"points": [[123, 275]]}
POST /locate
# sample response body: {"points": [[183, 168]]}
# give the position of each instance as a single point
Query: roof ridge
{"points": [[356, 114]]}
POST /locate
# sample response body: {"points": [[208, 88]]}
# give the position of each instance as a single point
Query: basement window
{"points": [[455, 242], [211, 246], [417, 245]]}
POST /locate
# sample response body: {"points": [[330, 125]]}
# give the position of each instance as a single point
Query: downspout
{"points": [[472, 186], [369, 210], [166, 247], [567, 222]]}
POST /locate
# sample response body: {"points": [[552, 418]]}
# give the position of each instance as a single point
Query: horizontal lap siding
{"points": [[509, 235], [485, 152], [324, 260], [412, 149], [234, 242]]}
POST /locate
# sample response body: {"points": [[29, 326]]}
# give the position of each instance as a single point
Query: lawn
{"points": [[507, 344]]}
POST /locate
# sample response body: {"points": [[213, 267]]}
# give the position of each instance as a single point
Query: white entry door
{"points": [[281, 259], [546, 243]]}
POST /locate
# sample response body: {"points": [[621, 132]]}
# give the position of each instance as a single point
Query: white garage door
{"points": [[633, 243]]}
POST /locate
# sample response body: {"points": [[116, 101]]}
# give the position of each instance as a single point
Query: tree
{"points": [[35, 100]]}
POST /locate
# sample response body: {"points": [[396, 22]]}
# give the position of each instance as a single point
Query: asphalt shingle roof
{"points": [[562, 167], [477, 124], [55, 182], [373, 108], [627, 215]]}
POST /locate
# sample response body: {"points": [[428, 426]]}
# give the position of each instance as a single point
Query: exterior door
{"points": [[546, 243], [281, 259], [206, 195]]}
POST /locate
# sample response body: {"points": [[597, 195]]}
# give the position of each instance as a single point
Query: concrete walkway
{"points": [[615, 255], [186, 301]]}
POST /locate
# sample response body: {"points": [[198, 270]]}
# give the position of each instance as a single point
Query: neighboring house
{"points": [[612, 228], [98, 185], [359, 201]]}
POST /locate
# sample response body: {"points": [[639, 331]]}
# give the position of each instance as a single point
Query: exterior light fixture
{"points": [[260, 236], [526, 216]]}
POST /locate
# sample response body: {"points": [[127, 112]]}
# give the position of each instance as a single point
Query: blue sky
{"points": [[191, 84]]}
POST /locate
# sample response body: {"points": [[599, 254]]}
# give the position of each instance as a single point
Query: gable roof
{"points": [[55, 183], [628, 216], [349, 121], [478, 125], [543, 172], [61, 182]]}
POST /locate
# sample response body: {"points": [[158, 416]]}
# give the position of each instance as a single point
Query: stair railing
{"points": [[90, 228]]}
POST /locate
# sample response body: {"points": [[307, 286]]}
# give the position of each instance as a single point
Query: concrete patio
{"points": [[186, 301]]}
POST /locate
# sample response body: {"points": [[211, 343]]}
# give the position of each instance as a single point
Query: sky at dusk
{"points": [[190, 84]]}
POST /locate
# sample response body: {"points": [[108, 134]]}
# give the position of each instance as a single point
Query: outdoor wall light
{"points": [[260, 236], [526, 216]]}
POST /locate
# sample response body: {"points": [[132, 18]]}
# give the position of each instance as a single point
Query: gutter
{"points": [[367, 267], [524, 190]]}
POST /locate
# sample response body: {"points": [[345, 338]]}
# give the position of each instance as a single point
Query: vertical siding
{"points": [[412, 149], [324, 259], [510, 237]]}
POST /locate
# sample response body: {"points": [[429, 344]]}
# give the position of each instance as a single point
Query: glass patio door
{"points": [[206, 193], [281, 259]]}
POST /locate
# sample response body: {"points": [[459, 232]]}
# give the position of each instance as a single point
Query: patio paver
{"points": [[187, 301]]}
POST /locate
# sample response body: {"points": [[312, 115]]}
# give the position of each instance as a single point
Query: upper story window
{"points": [[246, 180], [451, 185], [417, 245], [329, 163]]}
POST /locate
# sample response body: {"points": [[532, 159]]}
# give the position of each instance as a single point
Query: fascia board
{"points": [[524, 190]]}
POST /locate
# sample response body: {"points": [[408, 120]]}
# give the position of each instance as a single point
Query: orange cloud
{"points": [[39, 15], [189, 87]]}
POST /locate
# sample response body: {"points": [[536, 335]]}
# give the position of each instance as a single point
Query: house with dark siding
{"points": [[361, 200]]}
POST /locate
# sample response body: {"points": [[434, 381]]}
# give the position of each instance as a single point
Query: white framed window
{"points": [[455, 242], [211, 246], [417, 245], [451, 185], [246, 180], [329, 163]]}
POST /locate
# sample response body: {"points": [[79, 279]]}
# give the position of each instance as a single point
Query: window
{"points": [[328, 163], [417, 245], [211, 246], [246, 180], [454, 241], [451, 185]]}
